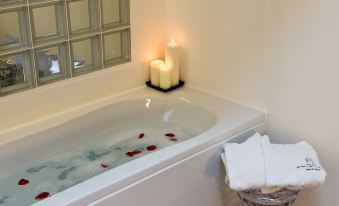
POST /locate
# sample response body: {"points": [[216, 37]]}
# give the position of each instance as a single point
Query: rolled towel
{"points": [[295, 166], [245, 164]]}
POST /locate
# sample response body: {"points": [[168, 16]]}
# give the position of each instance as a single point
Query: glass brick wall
{"points": [[43, 41]]}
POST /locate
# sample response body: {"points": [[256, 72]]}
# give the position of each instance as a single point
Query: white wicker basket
{"points": [[282, 197]]}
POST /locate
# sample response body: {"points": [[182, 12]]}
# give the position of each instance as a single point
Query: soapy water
{"points": [[60, 172]]}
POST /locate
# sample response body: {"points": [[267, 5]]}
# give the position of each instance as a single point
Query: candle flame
{"points": [[172, 43]]}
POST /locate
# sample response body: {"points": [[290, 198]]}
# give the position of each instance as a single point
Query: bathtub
{"points": [[183, 132]]}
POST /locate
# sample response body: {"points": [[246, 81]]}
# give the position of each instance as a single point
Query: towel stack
{"points": [[258, 164]]}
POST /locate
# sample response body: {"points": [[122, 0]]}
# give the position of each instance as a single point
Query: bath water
{"points": [[123, 143]]}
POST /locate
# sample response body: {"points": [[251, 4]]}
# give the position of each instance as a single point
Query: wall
{"points": [[280, 55], [147, 33]]}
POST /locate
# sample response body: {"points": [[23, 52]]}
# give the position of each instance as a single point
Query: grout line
{"points": [[84, 36], [12, 7], [32, 55], [13, 51], [102, 36], [116, 29], [42, 2], [70, 64]]}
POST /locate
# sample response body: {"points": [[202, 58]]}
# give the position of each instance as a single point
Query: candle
{"points": [[165, 77], [155, 71], [173, 62]]}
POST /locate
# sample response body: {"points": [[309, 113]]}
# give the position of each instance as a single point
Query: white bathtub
{"points": [[187, 173]]}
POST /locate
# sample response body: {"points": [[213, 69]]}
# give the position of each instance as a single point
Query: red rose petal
{"points": [[132, 153], [42, 196], [23, 182], [103, 165], [151, 148], [170, 135], [142, 135], [173, 139]]}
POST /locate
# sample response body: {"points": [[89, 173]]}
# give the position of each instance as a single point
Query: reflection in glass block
{"points": [[82, 53], [116, 47], [114, 13], [79, 15], [15, 73], [45, 21], [48, 21], [9, 29], [112, 45], [85, 55], [110, 12], [51, 63], [12, 71], [48, 61]]}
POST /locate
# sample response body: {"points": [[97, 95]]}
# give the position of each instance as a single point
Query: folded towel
{"points": [[244, 164], [258, 164], [292, 165]]}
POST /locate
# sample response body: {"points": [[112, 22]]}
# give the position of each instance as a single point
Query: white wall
{"points": [[147, 18], [280, 55]]}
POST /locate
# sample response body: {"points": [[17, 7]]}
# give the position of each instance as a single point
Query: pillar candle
{"points": [[155, 71], [165, 77], [173, 62]]}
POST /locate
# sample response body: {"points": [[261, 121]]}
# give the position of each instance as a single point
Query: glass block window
{"points": [[43, 41], [15, 72], [86, 55], [115, 51], [48, 22], [51, 63], [13, 29]]}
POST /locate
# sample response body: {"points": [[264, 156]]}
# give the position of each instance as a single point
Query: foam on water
{"points": [[83, 162]]}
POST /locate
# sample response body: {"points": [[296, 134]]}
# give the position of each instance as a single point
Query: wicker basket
{"points": [[283, 197]]}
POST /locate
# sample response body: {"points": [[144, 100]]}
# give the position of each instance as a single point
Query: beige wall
{"points": [[280, 55], [147, 32]]}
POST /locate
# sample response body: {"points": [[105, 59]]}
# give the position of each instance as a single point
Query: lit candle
{"points": [[155, 71], [173, 62], [165, 77]]}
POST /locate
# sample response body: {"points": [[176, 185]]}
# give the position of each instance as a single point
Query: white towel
{"points": [[244, 164], [258, 164], [292, 165]]}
